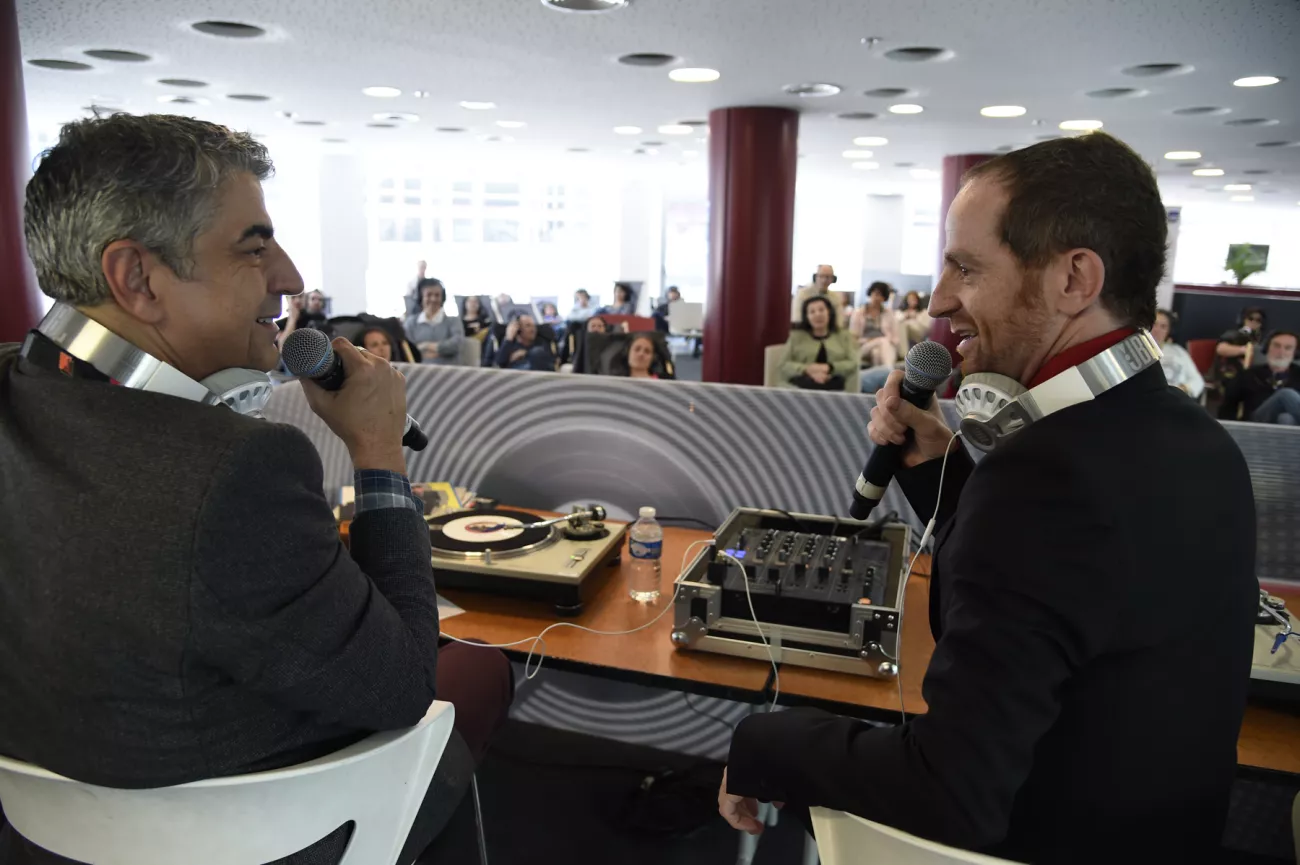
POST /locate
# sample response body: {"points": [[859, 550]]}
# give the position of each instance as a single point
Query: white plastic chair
{"points": [[846, 839], [378, 783]]}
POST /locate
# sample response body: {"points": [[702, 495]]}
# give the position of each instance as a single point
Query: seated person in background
{"points": [[378, 342], [208, 622], [875, 327], [624, 300], [307, 311], [823, 278], [640, 361], [596, 324], [1269, 393], [521, 348], [819, 355], [504, 301], [435, 334], [582, 307], [473, 320], [914, 319], [660, 314], [1236, 349], [1180, 369], [551, 315]]}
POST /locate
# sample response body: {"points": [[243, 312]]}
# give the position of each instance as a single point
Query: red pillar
{"points": [[20, 305], [953, 169], [753, 153]]}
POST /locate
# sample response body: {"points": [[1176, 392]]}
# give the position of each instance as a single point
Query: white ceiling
{"points": [[557, 72]]}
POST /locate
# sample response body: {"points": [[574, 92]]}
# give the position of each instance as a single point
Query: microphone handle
{"points": [[332, 379], [884, 461]]}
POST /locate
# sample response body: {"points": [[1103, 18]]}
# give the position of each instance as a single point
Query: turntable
{"points": [[519, 554]]}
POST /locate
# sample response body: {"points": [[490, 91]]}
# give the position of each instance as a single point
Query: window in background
{"points": [[686, 247], [462, 231], [411, 230], [920, 232]]}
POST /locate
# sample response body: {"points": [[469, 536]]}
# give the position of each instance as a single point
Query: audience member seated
{"points": [[437, 335], [583, 308], [377, 341], [306, 311], [1236, 349], [624, 300], [914, 319], [551, 315], [819, 355], [1180, 369], [875, 327], [660, 314], [823, 278], [644, 354], [522, 349], [208, 622], [474, 320], [1269, 393]]}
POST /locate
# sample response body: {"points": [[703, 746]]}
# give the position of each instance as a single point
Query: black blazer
{"points": [[1093, 601], [175, 603]]}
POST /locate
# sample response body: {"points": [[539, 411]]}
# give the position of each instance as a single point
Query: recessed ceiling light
{"points": [[498, 139], [511, 124], [1257, 171], [1155, 70], [182, 82], [1200, 111], [694, 123], [397, 116], [61, 65], [1241, 198], [866, 166], [1080, 125], [925, 174], [309, 122], [182, 100], [1236, 187], [1251, 121], [1278, 144], [652, 144], [675, 129], [870, 141], [1256, 81], [449, 129], [585, 5], [905, 108], [1117, 93], [627, 130], [249, 97], [918, 55], [857, 115], [382, 125], [646, 58], [857, 154], [904, 164], [887, 92], [579, 150], [1002, 110], [694, 76], [812, 89], [421, 94], [478, 106], [381, 91], [1208, 172], [118, 56], [1183, 154], [229, 29]]}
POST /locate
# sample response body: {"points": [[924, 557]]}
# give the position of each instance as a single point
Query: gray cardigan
{"points": [[448, 333], [802, 349]]}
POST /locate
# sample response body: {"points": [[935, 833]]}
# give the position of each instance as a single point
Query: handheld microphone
{"points": [[927, 365], [308, 354]]}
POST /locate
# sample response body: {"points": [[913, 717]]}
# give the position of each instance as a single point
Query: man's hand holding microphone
{"points": [[893, 417]]}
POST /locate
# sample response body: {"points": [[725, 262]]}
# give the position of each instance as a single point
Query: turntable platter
{"points": [[500, 532]]}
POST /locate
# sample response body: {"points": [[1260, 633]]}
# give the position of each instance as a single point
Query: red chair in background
{"points": [[635, 323], [1202, 352]]}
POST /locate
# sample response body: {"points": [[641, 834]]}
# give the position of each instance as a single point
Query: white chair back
{"points": [[685, 317], [846, 839], [772, 365], [378, 783]]}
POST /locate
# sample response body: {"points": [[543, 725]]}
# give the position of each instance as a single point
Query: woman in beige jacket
{"points": [[819, 355]]}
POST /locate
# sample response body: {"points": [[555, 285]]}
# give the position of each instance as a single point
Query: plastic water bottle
{"points": [[646, 544]]}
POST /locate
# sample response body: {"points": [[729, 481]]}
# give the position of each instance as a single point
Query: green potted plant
{"points": [[1245, 260]]}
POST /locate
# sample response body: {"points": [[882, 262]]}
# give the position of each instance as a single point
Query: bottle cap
{"points": [[647, 513]]}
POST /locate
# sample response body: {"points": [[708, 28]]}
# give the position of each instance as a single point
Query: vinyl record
{"points": [[499, 531]]}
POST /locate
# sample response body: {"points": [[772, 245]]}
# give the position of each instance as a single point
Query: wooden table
{"points": [[1270, 737]]}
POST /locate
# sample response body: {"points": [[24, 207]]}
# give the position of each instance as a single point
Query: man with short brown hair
{"points": [[1067, 718]]}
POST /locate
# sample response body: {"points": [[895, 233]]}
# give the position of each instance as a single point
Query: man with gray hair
{"points": [[175, 602]]}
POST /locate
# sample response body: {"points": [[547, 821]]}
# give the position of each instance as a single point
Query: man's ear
{"points": [[1080, 279], [128, 268]]}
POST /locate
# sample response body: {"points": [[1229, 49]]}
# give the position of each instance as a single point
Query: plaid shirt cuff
{"points": [[376, 489]]}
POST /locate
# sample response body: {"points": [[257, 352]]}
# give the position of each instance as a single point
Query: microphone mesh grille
{"points": [[927, 365], [304, 351]]}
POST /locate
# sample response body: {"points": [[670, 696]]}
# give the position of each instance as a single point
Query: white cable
{"points": [[776, 674], [539, 639], [902, 595]]}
